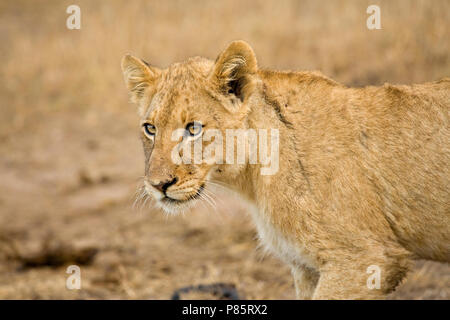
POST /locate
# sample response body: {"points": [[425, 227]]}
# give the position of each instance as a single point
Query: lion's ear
{"points": [[233, 69], [139, 76]]}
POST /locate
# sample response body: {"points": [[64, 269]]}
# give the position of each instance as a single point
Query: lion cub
{"points": [[362, 176]]}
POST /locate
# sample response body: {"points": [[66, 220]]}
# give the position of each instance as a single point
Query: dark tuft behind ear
{"points": [[233, 69]]}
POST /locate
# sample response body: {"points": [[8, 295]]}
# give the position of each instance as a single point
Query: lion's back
{"points": [[409, 155]]}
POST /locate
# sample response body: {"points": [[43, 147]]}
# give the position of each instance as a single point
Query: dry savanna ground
{"points": [[70, 157]]}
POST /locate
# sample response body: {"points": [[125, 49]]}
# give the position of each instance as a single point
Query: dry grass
{"points": [[70, 159]]}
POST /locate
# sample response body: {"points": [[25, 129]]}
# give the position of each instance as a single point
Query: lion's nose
{"points": [[164, 185]]}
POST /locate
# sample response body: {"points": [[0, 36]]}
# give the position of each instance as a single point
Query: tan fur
{"points": [[364, 172]]}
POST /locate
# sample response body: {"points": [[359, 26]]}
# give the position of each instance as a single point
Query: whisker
{"points": [[221, 184], [139, 194], [208, 194], [208, 200]]}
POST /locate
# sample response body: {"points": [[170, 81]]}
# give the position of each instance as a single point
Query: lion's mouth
{"points": [[167, 199]]}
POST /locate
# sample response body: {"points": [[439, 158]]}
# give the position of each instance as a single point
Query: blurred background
{"points": [[71, 160]]}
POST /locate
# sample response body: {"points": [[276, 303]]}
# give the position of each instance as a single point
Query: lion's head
{"points": [[194, 98]]}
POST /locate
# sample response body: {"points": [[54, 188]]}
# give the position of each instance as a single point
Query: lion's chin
{"points": [[175, 206], [172, 206]]}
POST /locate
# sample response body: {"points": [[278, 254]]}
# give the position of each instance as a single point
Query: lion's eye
{"points": [[194, 128], [149, 129]]}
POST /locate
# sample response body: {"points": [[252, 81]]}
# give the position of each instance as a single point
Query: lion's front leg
{"points": [[305, 280], [342, 284], [368, 277]]}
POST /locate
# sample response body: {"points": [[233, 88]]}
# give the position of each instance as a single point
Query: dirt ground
{"points": [[71, 160]]}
